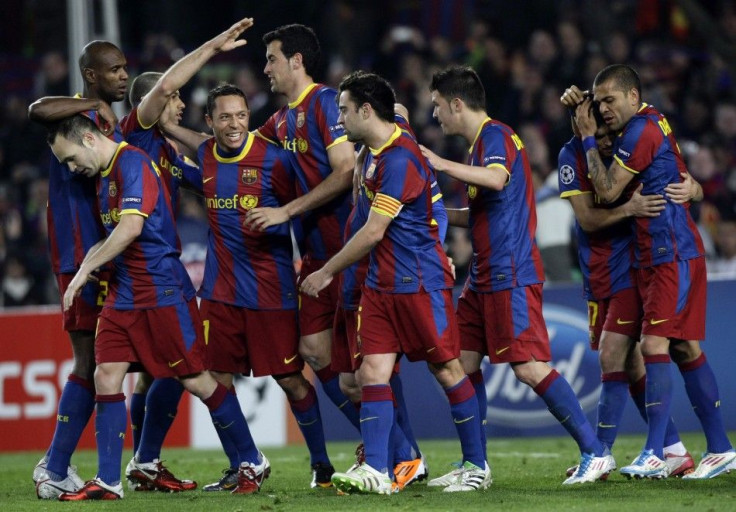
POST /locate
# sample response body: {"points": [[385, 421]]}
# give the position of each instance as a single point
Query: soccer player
{"points": [[406, 305], [670, 264], [151, 96], [605, 237], [500, 310], [73, 228], [308, 128], [249, 296], [146, 296]]}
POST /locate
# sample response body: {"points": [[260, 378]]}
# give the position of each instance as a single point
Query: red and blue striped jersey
{"points": [[398, 182], [173, 167], [148, 273], [243, 267], [72, 212], [307, 128], [606, 255], [502, 223], [352, 278], [647, 148]]}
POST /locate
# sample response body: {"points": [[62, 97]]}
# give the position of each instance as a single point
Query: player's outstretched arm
{"points": [[185, 68], [189, 139], [340, 180], [50, 109]]}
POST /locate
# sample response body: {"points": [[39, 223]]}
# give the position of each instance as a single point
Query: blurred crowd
{"points": [[527, 52]]}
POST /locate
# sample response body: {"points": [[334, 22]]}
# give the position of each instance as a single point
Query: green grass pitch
{"points": [[527, 476]]}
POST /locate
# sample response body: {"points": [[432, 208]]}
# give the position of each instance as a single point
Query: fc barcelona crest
{"points": [[112, 190], [370, 171], [249, 176], [300, 119]]}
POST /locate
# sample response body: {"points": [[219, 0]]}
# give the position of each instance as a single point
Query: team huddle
{"points": [[342, 173]]}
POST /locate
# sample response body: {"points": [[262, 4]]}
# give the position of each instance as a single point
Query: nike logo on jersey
{"points": [[205, 180], [624, 322], [652, 404], [171, 365], [657, 322], [289, 360], [501, 350], [430, 349], [308, 423], [356, 355], [458, 422], [368, 418], [279, 125], [603, 425]]}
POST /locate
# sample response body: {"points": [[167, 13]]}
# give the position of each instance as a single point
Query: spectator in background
{"points": [[725, 266]]}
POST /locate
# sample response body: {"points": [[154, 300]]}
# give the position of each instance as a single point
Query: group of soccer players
{"points": [[375, 282]]}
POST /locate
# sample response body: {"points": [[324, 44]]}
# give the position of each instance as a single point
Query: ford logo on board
{"points": [[514, 404]]}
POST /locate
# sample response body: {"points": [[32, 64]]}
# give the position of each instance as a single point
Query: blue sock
{"points": [[110, 432], [376, 421], [402, 415], [308, 417], [638, 395], [331, 386], [228, 446], [658, 401], [137, 416], [75, 408], [464, 410], [702, 389], [479, 385], [401, 450], [614, 387], [563, 404], [162, 402], [228, 418]]}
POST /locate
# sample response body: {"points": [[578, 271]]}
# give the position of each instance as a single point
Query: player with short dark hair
{"points": [[500, 310], [406, 305], [73, 228], [146, 296], [308, 128], [670, 264]]}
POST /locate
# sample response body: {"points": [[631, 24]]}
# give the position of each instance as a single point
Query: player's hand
{"points": [[452, 268], [684, 191], [75, 288], [434, 160], [573, 96], [584, 118], [258, 219], [645, 206], [316, 282], [228, 40], [109, 119]]}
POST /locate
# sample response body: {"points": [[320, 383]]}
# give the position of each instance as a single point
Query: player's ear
{"points": [[88, 140], [296, 60], [208, 120]]}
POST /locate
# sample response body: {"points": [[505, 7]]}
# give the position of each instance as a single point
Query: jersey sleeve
{"points": [[268, 130], [399, 183], [495, 151], [636, 147], [191, 174], [571, 172], [139, 185], [129, 124], [327, 113]]}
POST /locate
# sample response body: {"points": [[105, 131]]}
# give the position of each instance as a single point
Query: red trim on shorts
{"points": [[657, 358], [614, 377], [117, 397], [86, 384], [543, 386], [694, 364], [215, 400], [326, 374], [460, 392], [377, 393], [476, 377], [638, 387], [305, 403]]}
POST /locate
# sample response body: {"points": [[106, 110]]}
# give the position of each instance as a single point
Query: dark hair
{"points": [[223, 90], [460, 82], [372, 89], [141, 86], [72, 128], [297, 38], [625, 77]]}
